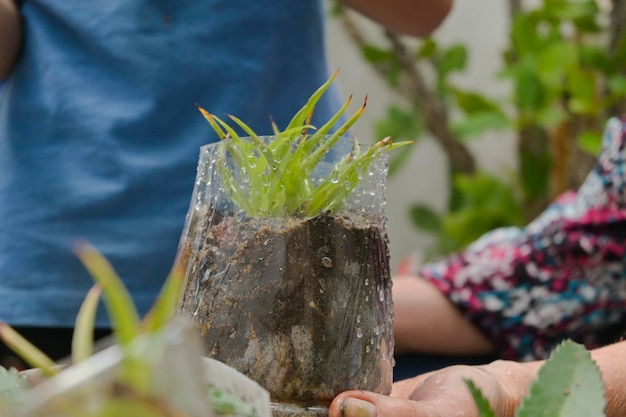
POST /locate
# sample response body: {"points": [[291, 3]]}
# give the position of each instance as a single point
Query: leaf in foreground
{"points": [[569, 384], [12, 384], [483, 406]]}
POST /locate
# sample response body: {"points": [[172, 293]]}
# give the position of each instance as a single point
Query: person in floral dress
{"points": [[518, 292]]}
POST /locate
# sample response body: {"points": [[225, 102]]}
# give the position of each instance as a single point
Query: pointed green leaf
{"points": [[164, 308], [483, 406], [82, 339], [425, 218], [26, 350], [120, 306], [302, 115]]}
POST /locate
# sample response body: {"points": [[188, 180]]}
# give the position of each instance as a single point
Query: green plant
{"points": [[135, 390], [565, 68], [12, 385], [569, 384], [278, 172]]}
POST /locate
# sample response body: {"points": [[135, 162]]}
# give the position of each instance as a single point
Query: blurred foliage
{"points": [[152, 376], [565, 69], [569, 384]]}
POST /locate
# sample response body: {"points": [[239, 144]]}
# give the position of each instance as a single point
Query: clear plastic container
{"points": [[300, 304]]}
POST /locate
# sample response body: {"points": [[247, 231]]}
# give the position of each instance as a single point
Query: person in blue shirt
{"points": [[99, 134]]}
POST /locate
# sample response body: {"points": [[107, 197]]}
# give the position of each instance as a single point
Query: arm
{"points": [[504, 383], [10, 36], [410, 17], [425, 321]]}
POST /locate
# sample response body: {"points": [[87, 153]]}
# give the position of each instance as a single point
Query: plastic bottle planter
{"points": [[181, 382], [301, 305]]}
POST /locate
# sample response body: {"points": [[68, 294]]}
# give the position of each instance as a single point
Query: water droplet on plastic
{"points": [[359, 332], [232, 333], [367, 349], [381, 295], [358, 318], [215, 349]]}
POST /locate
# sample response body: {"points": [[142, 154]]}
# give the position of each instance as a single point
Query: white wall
{"points": [[480, 24]]}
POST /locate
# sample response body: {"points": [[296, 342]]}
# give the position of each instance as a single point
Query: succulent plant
{"points": [[278, 169]]}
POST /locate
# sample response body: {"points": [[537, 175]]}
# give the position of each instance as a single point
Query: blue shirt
{"points": [[100, 136]]}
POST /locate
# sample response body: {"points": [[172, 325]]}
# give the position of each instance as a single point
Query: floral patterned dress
{"points": [[563, 276]]}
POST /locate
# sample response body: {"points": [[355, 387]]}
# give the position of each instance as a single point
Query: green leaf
{"points": [[376, 55], [590, 142], [477, 123], [582, 90], [425, 218], [471, 102], [82, 339], [483, 204], [427, 49], [336, 8], [550, 117], [122, 311], [529, 91], [524, 37], [617, 85], [305, 112], [400, 124], [12, 385], [26, 350], [483, 406], [535, 168], [555, 60], [453, 59], [569, 384], [595, 56], [166, 305]]}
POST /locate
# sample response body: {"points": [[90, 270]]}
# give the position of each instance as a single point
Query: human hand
{"points": [[10, 36], [444, 393]]}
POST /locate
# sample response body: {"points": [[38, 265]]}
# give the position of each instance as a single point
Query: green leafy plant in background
{"points": [[565, 68], [569, 384], [278, 171]]}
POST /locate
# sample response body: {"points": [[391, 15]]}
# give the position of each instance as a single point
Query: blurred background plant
{"points": [[564, 65]]}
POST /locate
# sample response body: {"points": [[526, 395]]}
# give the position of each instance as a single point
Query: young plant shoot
{"points": [[279, 171]]}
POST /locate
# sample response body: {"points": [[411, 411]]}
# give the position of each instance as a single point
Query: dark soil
{"points": [[302, 306]]}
